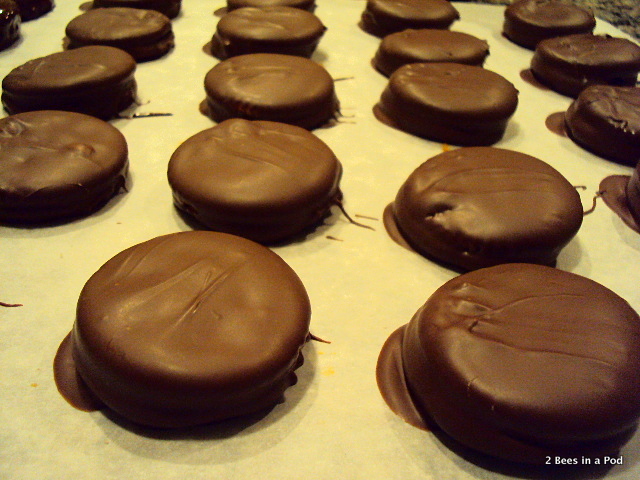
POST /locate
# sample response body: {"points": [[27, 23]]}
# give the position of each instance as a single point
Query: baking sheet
{"points": [[334, 423]]}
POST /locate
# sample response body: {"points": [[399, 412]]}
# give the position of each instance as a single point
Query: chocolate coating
{"points": [[633, 194], [621, 193], [308, 5], [190, 328], [523, 361], [264, 181], [527, 22], [95, 80], [448, 102], [480, 206], [32, 9], [428, 45], [382, 17], [606, 121], [571, 63], [10, 21], [170, 8], [265, 86], [285, 30], [144, 34], [58, 165]]}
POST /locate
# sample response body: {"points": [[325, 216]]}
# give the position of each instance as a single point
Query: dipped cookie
{"points": [[57, 166], [32, 9], [265, 181], [476, 207], [448, 102], [519, 362], [170, 8], [187, 329], [382, 17]]}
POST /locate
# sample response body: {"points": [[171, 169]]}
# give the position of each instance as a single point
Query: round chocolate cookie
{"points": [[621, 193], [9, 23], [606, 121], [571, 63], [144, 34], [308, 5], [266, 86], [285, 30], [476, 207], [520, 362], [448, 102], [190, 328], [382, 17], [32, 9], [428, 45], [57, 166], [170, 8], [264, 181], [95, 80], [527, 22]]}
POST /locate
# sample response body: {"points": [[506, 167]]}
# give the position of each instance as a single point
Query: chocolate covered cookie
{"points": [[95, 80], [32, 9], [428, 45], [519, 362], [170, 8], [382, 17], [448, 102], [275, 87], [57, 166], [527, 22], [571, 63], [144, 34], [476, 207], [606, 121], [265, 181], [284, 30], [9, 23], [189, 328], [301, 4]]}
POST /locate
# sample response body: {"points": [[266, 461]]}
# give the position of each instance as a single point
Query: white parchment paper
{"points": [[334, 424]]}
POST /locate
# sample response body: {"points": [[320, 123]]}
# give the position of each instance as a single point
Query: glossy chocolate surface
{"points": [[480, 206], [301, 4], [32, 9], [571, 63], [144, 34], [523, 361], [606, 121], [448, 102], [190, 328], [274, 87], [382, 17], [527, 22], [10, 21], [58, 165], [428, 45], [264, 181], [170, 8], [285, 30], [95, 80]]}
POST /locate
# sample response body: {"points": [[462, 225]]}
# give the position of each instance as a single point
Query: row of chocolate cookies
{"points": [[495, 330]]}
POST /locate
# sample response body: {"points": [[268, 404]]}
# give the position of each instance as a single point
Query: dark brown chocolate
{"points": [[621, 194], [32, 9], [480, 206], [57, 166], [10, 21], [285, 30], [190, 328], [527, 22], [144, 34], [448, 102], [274, 87], [382, 17], [95, 80], [301, 4], [606, 121], [571, 63], [428, 45], [264, 181], [170, 8], [521, 362]]}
